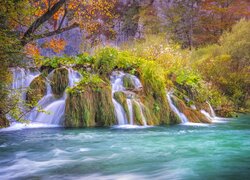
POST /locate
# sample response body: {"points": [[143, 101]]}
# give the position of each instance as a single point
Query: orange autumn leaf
{"points": [[32, 50], [57, 45]]}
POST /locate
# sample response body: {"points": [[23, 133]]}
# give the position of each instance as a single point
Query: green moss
{"points": [[194, 116], [149, 117], [137, 113], [128, 82], [36, 90], [59, 81], [158, 107], [89, 106], [105, 60], [174, 118], [4, 122], [80, 110], [105, 114], [121, 98]]}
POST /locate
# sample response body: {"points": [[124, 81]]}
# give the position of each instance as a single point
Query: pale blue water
{"points": [[219, 151]]}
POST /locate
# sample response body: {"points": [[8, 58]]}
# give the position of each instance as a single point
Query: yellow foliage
{"points": [[57, 45]]}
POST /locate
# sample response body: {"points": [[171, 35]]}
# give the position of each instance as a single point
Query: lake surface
{"points": [[220, 150]]}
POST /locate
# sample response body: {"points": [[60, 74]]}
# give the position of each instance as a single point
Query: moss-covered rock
{"points": [[128, 82], [149, 116], [105, 113], [194, 116], [59, 81], [36, 90], [225, 112], [90, 106], [158, 108], [174, 118], [4, 122], [204, 106], [137, 116], [121, 98]]}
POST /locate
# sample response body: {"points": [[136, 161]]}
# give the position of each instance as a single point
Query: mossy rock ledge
{"points": [[128, 82], [194, 116], [90, 106], [36, 90], [121, 98], [59, 81]]}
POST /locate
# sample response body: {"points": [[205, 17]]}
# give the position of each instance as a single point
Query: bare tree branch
{"points": [[42, 19], [58, 31]]}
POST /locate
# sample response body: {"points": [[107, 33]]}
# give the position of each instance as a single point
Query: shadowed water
{"points": [[219, 151]]}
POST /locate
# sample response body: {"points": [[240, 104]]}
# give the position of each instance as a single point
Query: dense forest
{"points": [[197, 49]]}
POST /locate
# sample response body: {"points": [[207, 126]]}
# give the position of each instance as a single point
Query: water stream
{"points": [[118, 86], [216, 151]]}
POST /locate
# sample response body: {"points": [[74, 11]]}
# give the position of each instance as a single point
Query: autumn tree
{"points": [[181, 17], [34, 19], [24, 21], [217, 16]]}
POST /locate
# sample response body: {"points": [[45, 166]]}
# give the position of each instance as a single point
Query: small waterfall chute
{"points": [[182, 116], [211, 110], [22, 79], [130, 108], [117, 85], [141, 111], [120, 113], [53, 109], [117, 82]]}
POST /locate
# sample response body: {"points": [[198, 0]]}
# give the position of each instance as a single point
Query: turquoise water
{"points": [[218, 151]]}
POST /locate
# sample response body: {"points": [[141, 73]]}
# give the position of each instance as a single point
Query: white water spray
{"points": [[117, 85], [182, 116]]}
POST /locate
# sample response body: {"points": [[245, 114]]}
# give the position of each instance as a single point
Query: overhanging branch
{"points": [[58, 31], [42, 19]]}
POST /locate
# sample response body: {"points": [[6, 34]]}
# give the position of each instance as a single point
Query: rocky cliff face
{"points": [[133, 23]]}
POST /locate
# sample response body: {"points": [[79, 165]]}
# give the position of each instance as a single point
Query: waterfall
{"points": [[22, 79], [53, 109], [74, 77], [205, 113], [182, 116], [211, 110], [120, 113], [117, 86], [141, 111], [130, 108]]}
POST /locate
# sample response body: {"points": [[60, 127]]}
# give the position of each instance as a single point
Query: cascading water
{"points": [[183, 118], [117, 85], [211, 110], [143, 117], [53, 109], [22, 79], [130, 108], [74, 77], [210, 115]]}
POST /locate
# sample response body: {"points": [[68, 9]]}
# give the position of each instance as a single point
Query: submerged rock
{"points": [[36, 90], [59, 81]]}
